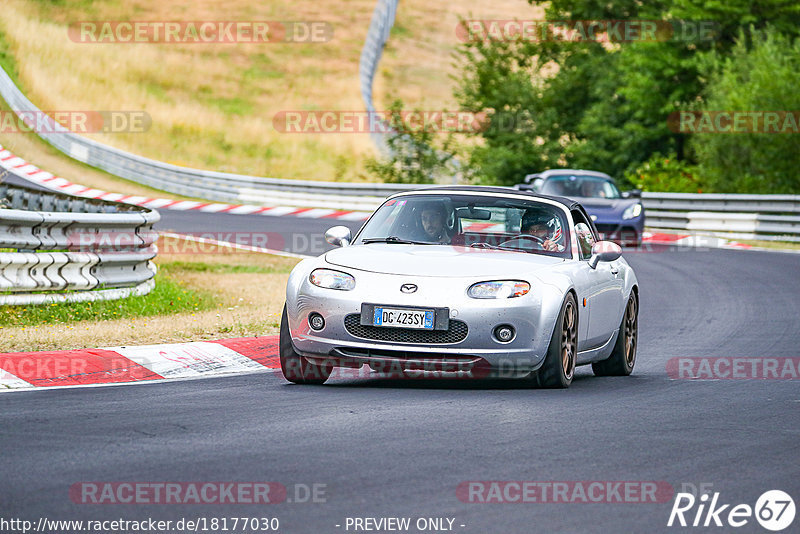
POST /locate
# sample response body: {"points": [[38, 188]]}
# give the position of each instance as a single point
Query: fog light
{"points": [[316, 321], [504, 333]]}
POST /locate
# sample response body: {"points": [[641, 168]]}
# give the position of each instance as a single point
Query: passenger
{"points": [[545, 227]]}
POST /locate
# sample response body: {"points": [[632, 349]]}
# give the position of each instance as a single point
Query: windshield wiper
{"points": [[487, 246], [393, 239]]}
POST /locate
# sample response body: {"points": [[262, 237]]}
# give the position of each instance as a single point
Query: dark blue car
{"points": [[618, 216]]}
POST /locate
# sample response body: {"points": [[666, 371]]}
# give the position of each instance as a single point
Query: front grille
{"points": [[402, 354], [455, 333], [608, 228], [616, 231], [612, 228]]}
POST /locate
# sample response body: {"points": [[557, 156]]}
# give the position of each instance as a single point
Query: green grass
{"points": [[247, 326], [232, 106], [168, 297], [777, 245], [222, 268], [7, 60], [399, 30]]}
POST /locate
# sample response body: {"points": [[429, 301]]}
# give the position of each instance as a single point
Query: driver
{"points": [[592, 189], [545, 227], [432, 221]]}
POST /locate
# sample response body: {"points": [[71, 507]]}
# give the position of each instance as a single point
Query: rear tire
{"points": [[559, 364], [623, 357], [297, 368]]}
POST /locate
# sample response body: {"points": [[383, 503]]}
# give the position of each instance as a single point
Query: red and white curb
{"points": [[145, 363], [690, 240], [20, 167]]}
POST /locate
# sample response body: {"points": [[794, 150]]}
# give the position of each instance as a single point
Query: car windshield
{"points": [[487, 222], [580, 185]]}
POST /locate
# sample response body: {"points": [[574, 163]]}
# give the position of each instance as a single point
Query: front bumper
{"points": [[627, 232], [533, 317]]}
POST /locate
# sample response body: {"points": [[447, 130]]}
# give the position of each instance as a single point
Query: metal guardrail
{"points": [[85, 249], [765, 217], [377, 35], [722, 202]]}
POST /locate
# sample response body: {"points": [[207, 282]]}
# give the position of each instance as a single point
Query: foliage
{"points": [[761, 77], [667, 175], [413, 156], [605, 106]]}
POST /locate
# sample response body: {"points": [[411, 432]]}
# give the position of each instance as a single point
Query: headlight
{"points": [[500, 289], [632, 211], [331, 279]]}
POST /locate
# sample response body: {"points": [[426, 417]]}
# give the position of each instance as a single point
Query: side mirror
{"points": [[338, 236], [633, 193], [604, 251]]}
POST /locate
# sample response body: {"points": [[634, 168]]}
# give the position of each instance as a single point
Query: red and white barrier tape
{"points": [[31, 172]]}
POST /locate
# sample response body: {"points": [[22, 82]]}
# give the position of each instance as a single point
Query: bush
{"points": [[761, 77], [667, 175], [413, 158]]}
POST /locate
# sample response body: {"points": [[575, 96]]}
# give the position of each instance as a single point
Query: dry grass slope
{"points": [[212, 104]]}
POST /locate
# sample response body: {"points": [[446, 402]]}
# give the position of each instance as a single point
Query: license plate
{"points": [[403, 318]]}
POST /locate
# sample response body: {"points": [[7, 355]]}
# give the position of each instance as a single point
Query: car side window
{"points": [[583, 234], [585, 240]]}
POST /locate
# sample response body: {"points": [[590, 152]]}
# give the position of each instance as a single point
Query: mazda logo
{"points": [[408, 288]]}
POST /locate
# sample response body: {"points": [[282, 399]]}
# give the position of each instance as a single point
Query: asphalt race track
{"points": [[400, 448]]}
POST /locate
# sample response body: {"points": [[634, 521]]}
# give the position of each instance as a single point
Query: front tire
{"points": [[559, 364], [297, 368], [623, 357]]}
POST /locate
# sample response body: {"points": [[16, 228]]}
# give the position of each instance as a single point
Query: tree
{"points": [[412, 156], [761, 77], [604, 107]]}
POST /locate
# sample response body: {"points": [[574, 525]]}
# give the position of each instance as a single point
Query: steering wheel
{"points": [[536, 240]]}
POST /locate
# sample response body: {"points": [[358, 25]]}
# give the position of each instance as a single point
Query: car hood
{"points": [[605, 206], [438, 260]]}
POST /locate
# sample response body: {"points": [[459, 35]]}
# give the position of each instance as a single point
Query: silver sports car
{"points": [[476, 281]]}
